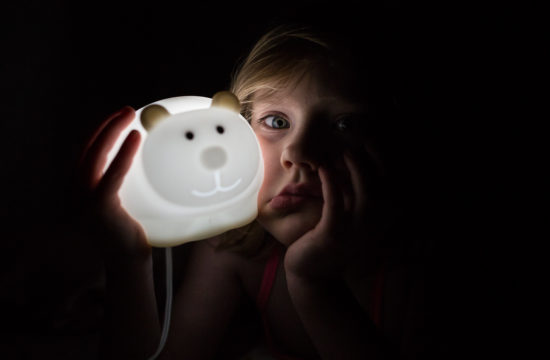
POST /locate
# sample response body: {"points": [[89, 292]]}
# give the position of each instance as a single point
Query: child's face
{"points": [[299, 128]]}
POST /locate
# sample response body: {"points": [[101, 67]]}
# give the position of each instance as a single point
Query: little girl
{"points": [[316, 266]]}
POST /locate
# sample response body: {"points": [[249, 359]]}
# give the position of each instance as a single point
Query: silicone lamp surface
{"points": [[197, 171]]}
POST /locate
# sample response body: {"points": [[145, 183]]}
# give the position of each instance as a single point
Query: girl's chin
{"points": [[290, 227]]}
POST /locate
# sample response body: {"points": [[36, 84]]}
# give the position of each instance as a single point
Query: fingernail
{"points": [[123, 111], [134, 134]]}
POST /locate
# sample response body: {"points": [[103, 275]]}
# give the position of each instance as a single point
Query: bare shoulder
{"points": [[247, 269], [209, 254], [209, 297]]}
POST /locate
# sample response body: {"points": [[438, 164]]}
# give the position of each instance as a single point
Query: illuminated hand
{"points": [[343, 231], [118, 232]]}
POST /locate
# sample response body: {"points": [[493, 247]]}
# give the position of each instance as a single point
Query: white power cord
{"points": [[168, 307]]}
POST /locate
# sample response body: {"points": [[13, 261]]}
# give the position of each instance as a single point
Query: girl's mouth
{"points": [[294, 195]]}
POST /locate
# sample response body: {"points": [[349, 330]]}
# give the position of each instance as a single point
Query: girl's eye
{"points": [[346, 123], [276, 122]]}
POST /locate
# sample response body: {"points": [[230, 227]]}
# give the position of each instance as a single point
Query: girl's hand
{"points": [[118, 233], [344, 231]]}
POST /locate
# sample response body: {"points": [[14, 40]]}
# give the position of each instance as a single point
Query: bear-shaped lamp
{"points": [[197, 171]]}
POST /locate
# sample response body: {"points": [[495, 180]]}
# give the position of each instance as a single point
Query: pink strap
{"points": [[270, 271]]}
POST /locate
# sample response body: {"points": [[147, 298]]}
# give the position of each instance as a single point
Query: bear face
{"points": [[197, 172], [200, 158]]}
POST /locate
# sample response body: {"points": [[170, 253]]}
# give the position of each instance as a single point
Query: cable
{"points": [[168, 307]]}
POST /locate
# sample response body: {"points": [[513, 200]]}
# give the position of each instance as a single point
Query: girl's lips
{"points": [[286, 202], [294, 195]]}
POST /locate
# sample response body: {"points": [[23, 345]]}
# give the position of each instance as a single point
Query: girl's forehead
{"points": [[308, 91]]}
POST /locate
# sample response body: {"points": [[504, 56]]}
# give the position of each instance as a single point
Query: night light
{"points": [[197, 172]]}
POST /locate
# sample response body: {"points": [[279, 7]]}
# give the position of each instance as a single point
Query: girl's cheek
{"points": [[270, 166], [271, 160], [269, 148]]}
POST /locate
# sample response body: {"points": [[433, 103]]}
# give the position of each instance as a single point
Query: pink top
{"points": [[268, 279]]}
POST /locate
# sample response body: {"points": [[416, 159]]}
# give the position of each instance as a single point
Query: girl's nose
{"points": [[306, 151]]}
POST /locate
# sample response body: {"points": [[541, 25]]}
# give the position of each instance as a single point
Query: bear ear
{"points": [[226, 99], [151, 115]]}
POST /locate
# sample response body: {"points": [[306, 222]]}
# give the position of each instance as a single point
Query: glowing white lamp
{"points": [[197, 172]]}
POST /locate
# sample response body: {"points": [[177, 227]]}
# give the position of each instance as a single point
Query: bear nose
{"points": [[213, 157]]}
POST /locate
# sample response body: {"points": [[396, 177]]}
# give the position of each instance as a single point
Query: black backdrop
{"points": [[65, 66]]}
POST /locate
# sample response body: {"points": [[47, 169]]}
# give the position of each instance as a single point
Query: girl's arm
{"points": [[211, 289], [316, 264], [131, 328], [205, 304], [335, 322]]}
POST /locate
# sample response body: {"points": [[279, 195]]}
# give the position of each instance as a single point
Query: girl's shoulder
{"points": [[204, 258], [209, 253], [215, 246], [249, 268], [211, 259]]}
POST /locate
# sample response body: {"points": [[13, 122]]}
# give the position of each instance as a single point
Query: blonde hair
{"points": [[279, 58]]}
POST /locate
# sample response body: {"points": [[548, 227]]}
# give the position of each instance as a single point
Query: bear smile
{"points": [[218, 188]]}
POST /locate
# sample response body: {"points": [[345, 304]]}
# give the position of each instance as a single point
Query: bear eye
{"points": [[220, 129], [189, 135]]}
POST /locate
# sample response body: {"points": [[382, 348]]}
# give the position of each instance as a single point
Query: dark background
{"points": [[65, 66]]}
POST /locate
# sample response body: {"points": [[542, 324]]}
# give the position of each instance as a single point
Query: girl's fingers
{"points": [[95, 157], [346, 188], [342, 183], [113, 177], [358, 177], [96, 133], [333, 207]]}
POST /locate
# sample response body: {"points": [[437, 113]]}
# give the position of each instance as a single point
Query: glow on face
{"points": [[297, 128]]}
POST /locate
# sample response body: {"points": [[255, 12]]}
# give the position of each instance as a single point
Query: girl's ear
{"points": [[226, 99], [152, 114]]}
